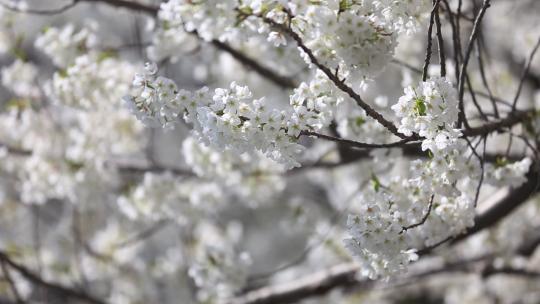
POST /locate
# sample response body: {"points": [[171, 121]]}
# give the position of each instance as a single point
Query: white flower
{"points": [[20, 78], [507, 174], [277, 39], [64, 45], [231, 119]]}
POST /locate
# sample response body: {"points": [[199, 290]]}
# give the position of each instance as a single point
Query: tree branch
{"points": [[339, 83], [434, 11], [356, 144], [64, 291]]}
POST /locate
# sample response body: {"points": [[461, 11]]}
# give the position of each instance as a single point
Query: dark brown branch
{"points": [[318, 283], [429, 39], [356, 144], [67, 292], [280, 80], [527, 248], [455, 35], [133, 168], [508, 122], [15, 150], [490, 271], [11, 283], [344, 276], [440, 43]]}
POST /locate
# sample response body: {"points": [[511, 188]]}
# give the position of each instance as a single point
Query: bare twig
{"points": [[424, 218], [143, 235], [525, 72], [468, 51], [473, 97], [440, 43], [484, 78]]}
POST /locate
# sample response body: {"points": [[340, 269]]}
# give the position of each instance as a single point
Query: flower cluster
{"points": [[353, 123], [507, 174], [90, 81], [405, 214], [65, 44], [248, 175], [430, 110], [401, 217], [219, 269], [404, 16], [20, 77], [164, 196], [350, 39], [357, 39], [210, 18], [231, 119]]}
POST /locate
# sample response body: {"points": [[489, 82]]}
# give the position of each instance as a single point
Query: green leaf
{"points": [[420, 106], [375, 182], [501, 161], [359, 121], [106, 55]]}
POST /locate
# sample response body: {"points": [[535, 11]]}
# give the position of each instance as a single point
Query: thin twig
{"points": [[473, 97], [484, 78], [357, 144], [424, 218], [143, 235], [429, 39], [525, 72], [440, 43], [468, 51]]}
